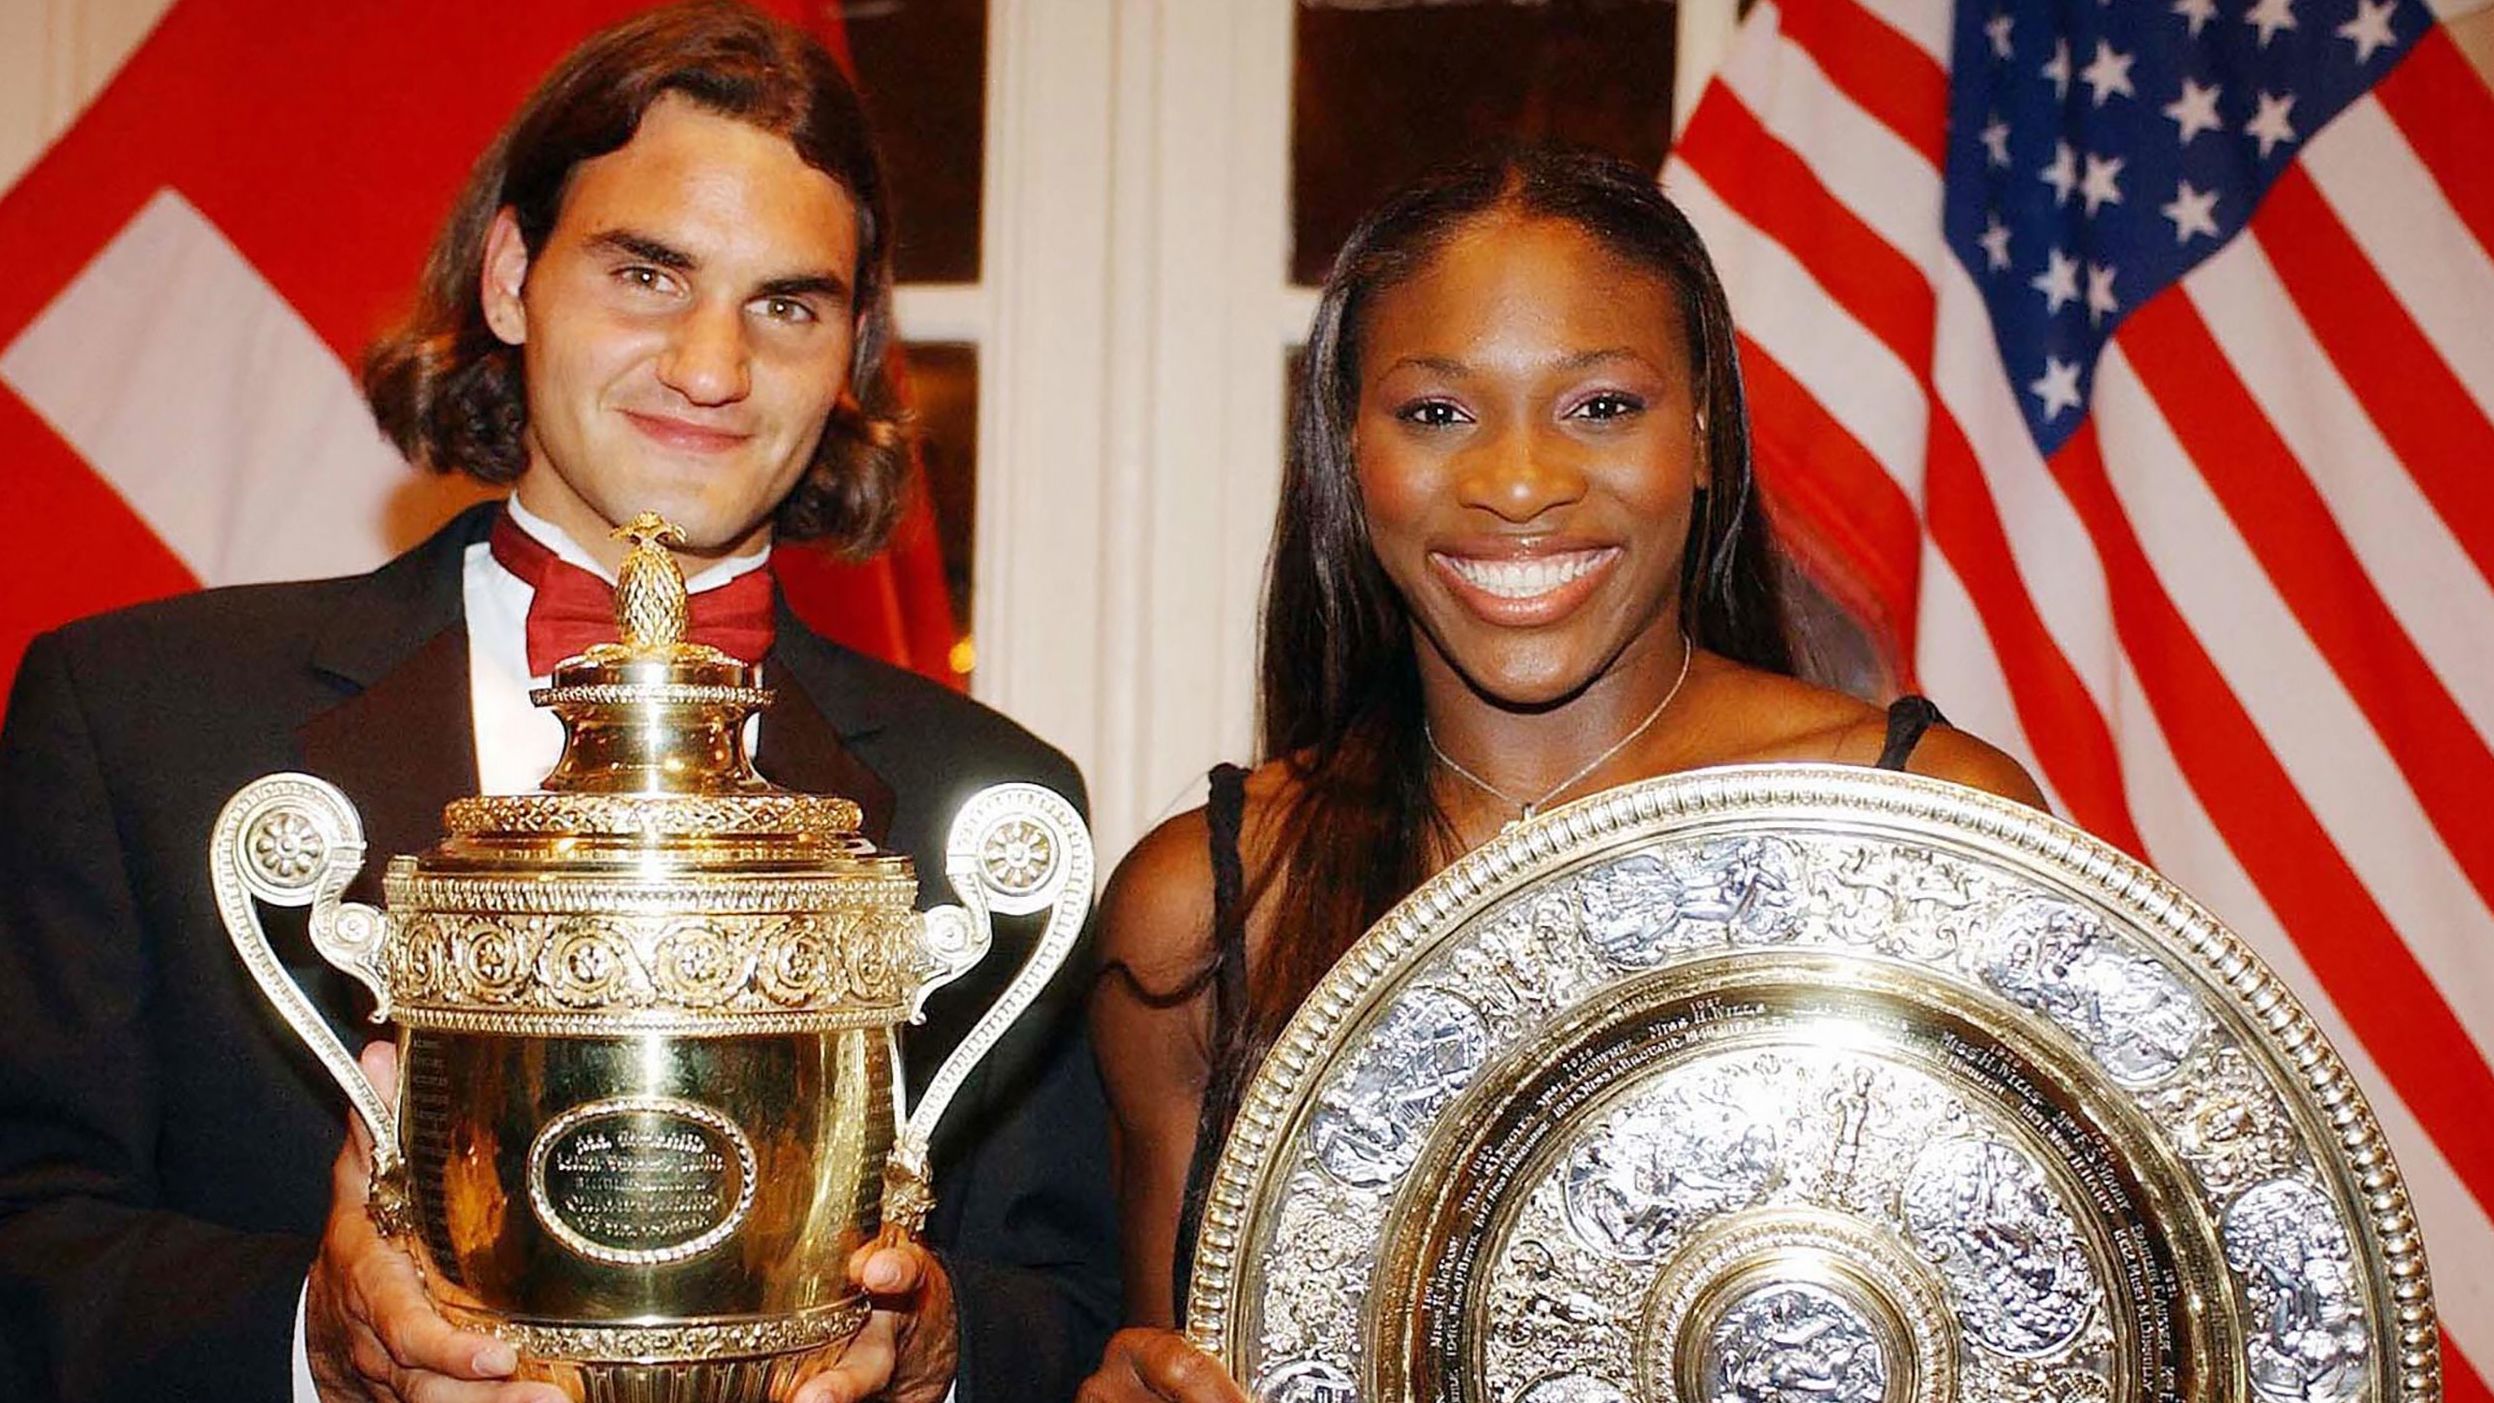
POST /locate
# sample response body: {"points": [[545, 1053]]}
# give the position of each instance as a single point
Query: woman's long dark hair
{"points": [[1340, 685]]}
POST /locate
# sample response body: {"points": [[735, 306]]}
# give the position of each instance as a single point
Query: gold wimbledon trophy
{"points": [[647, 1099]]}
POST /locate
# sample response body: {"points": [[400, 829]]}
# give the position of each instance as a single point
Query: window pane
{"points": [[923, 65], [944, 390], [1387, 88]]}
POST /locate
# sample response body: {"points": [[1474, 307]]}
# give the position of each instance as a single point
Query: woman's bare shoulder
{"points": [[1951, 754], [1156, 915], [1790, 719]]}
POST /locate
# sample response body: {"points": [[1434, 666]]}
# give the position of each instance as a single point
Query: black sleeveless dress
{"points": [[1224, 809]]}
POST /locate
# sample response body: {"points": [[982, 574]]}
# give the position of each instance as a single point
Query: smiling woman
{"points": [[1517, 558]]}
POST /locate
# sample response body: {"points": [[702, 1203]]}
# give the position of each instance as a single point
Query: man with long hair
{"points": [[666, 288]]}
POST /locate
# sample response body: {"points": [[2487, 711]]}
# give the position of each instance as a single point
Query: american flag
{"points": [[2128, 365]]}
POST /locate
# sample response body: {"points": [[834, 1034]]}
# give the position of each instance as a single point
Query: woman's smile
{"points": [[1524, 588]]}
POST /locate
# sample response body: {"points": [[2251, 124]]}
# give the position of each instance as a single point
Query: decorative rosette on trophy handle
{"points": [[649, 1098]]}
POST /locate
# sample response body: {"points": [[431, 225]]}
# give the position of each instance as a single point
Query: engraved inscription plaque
{"points": [[641, 1180]]}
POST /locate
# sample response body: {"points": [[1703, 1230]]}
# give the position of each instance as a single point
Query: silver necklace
{"points": [[1530, 807]]}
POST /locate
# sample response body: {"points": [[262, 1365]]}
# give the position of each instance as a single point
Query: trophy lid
{"points": [[655, 773]]}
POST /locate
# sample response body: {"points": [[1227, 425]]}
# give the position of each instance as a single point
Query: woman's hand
{"points": [[1144, 1364]]}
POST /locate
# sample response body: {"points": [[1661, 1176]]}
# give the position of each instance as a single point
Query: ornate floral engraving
{"points": [[2126, 1007], [879, 886], [700, 965], [450, 966], [1792, 1342], [1332, 1228], [1424, 1053], [2006, 1245], [2227, 1122], [793, 968], [1907, 902], [2289, 1249], [1526, 962], [588, 964], [492, 960], [707, 816], [664, 694], [691, 1341], [285, 846]]}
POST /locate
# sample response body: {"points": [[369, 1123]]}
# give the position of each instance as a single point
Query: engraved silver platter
{"points": [[1800, 1084]]}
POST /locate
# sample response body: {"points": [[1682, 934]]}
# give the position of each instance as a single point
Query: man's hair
{"points": [[450, 394]]}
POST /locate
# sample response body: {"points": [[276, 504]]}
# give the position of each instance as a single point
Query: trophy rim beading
{"points": [[651, 816]]}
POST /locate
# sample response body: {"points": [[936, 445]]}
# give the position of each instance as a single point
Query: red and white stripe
{"points": [[2242, 623]]}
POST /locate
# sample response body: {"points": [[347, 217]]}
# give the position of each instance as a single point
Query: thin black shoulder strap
{"points": [[1224, 812], [1908, 717]]}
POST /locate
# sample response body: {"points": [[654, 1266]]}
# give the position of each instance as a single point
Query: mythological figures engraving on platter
{"points": [[2126, 1007], [1421, 1057], [2298, 1274], [2003, 1241], [1792, 1342]]}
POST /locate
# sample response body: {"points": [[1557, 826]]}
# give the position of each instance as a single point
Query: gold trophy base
{"points": [[723, 1361], [708, 1381]]}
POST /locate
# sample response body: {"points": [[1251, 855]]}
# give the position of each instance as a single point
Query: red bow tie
{"points": [[573, 609]]}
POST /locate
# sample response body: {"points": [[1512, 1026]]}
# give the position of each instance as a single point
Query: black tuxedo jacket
{"points": [[165, 1142]]}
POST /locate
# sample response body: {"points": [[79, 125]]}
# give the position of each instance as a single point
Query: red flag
{"points": [[2131, 368], [198, 260]]}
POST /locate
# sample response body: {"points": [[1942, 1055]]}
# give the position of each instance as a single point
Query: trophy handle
{"points": [[1014, 849], [292, 840]]}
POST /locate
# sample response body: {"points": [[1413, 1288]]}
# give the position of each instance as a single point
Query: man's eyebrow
{"points": [[645, 248], [829, 286]]}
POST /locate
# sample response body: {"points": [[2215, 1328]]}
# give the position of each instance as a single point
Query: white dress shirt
{"points": [[517, 741]]}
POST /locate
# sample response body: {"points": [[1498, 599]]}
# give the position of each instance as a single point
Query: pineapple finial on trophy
{"points": [[649, 587]]}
